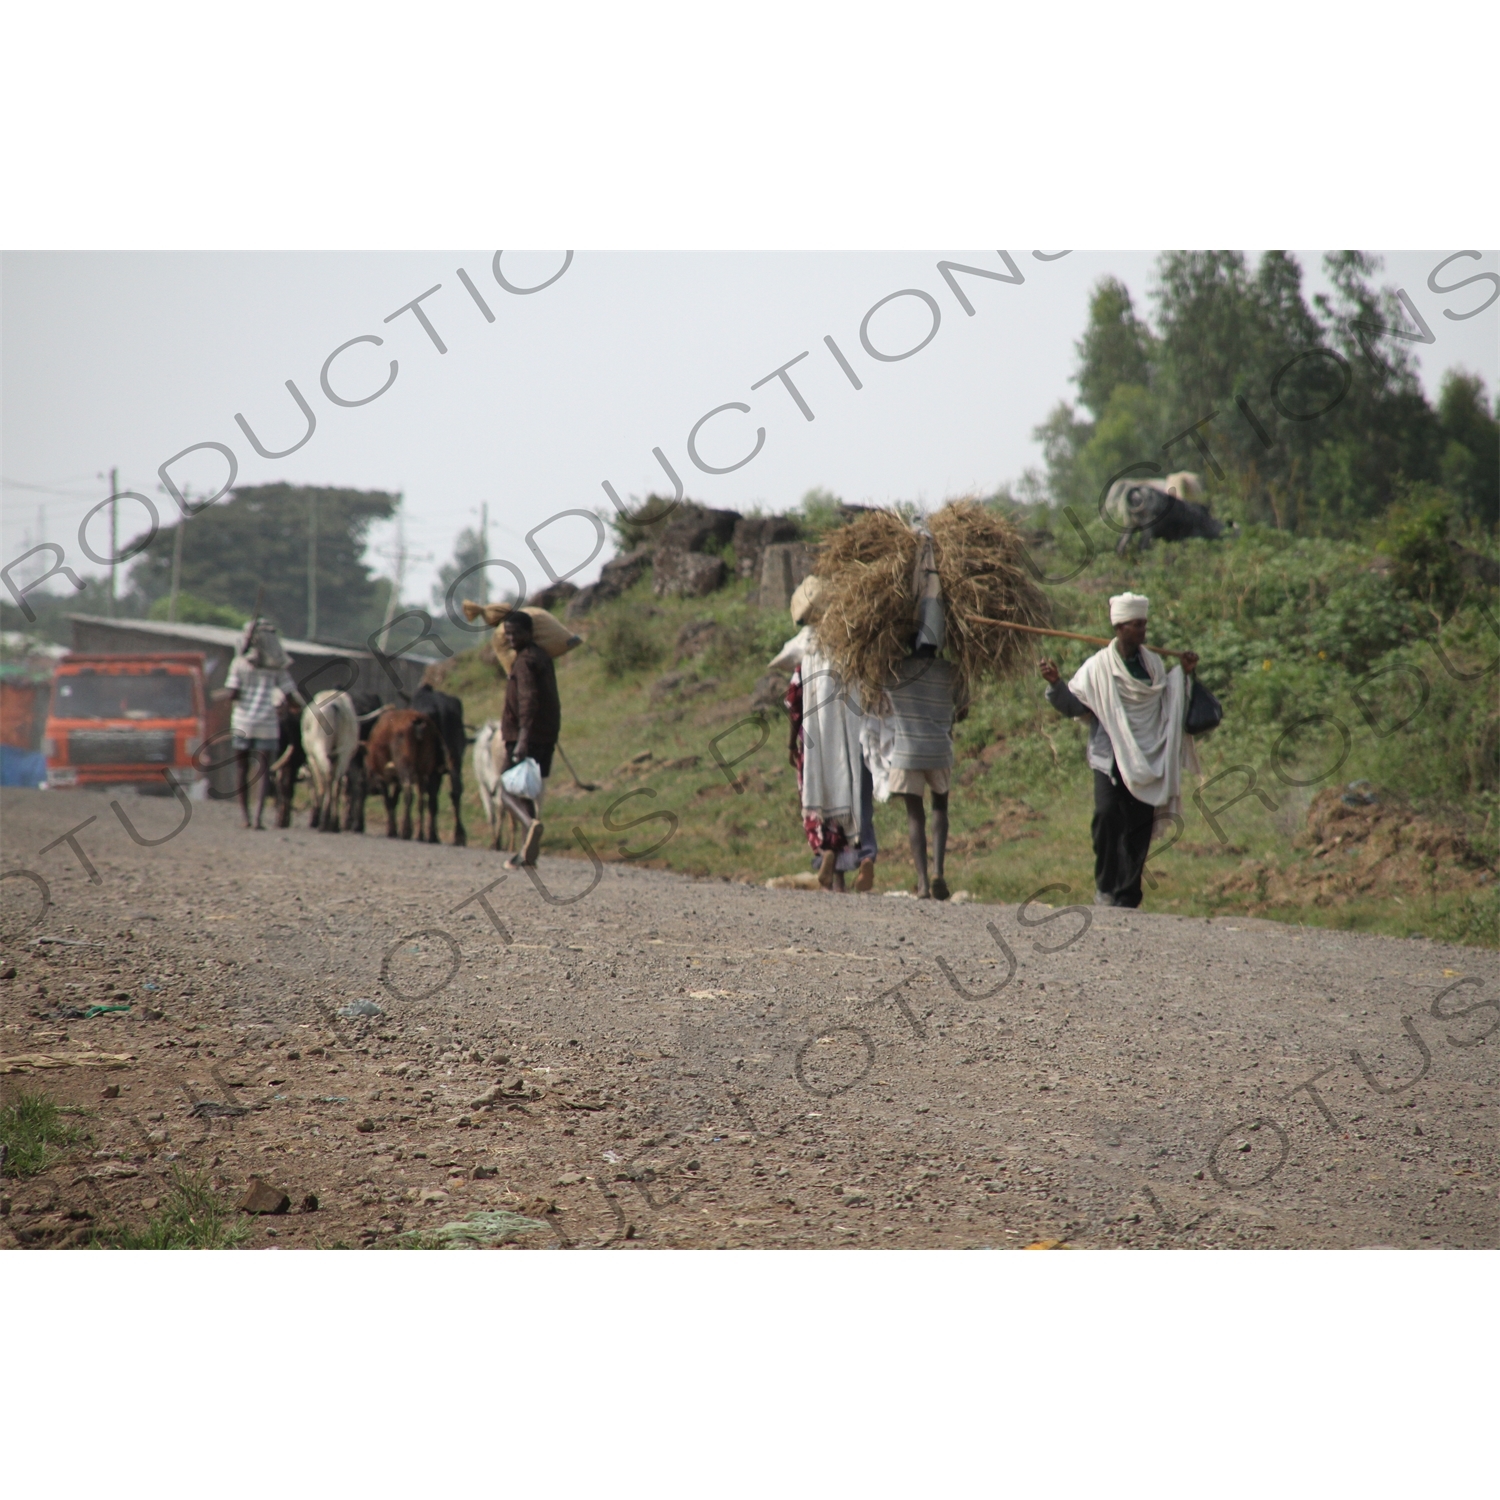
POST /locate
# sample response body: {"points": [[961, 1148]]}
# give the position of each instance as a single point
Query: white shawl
{"points": [[1144, 723], [831, 758]]}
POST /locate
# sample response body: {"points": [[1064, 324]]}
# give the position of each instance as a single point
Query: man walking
{"points": [[1137, 748], [256, 675], [530, 723], [921, 720]]}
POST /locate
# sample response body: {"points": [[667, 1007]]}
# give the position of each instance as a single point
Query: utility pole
{"points": [[398, 555], [312, 565], [176, 567], [114, 507]]}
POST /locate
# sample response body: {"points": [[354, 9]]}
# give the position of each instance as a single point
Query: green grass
{"points": [[191, 1217], [1287, 627], [34, 1134]]}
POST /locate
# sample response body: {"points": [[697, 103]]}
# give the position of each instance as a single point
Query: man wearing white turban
{"points": [[1137, 748]]}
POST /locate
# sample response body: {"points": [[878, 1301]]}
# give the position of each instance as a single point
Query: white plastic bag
{"points": [[524, 779]]}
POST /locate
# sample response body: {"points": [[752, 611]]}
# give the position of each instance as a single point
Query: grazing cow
{"points": [[330, 736], [405, 754], [489, 762], [356, 785], [448, 713], [290, 758], [1151, 513]]}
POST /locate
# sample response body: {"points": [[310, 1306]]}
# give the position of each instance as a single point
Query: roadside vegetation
{"points": [[34, 1132], [192, 1216]]}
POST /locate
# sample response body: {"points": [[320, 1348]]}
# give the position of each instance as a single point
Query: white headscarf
{"points": [[1127, 606]]}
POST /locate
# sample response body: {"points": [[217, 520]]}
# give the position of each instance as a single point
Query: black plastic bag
{"points": [[1204, 711]]}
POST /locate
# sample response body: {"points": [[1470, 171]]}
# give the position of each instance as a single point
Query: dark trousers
{"points": [[1122, 839]]}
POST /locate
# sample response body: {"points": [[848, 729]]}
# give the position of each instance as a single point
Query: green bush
{"points": [[1414, 534], [625, 645]]}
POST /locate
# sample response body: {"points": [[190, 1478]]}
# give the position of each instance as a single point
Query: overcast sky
{"points": [[123, 360]]}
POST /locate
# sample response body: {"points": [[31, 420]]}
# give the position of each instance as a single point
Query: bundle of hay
{"points": [[868, 602], [550, 633]]}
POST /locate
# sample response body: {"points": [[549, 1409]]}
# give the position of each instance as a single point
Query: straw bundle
{"points": [[869, 604]]}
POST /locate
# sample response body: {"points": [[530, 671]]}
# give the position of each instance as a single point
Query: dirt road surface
{"points": [[668, 1062]]}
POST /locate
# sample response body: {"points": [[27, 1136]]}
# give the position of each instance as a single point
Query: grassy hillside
{"points": [[1288, 628]]}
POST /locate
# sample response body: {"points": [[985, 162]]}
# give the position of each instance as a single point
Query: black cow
{"points": [[1154, 515], [290, 759], [356, 779], [448, 711]]}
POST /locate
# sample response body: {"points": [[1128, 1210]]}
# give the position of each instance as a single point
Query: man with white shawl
{"points": [[1137, 747]]}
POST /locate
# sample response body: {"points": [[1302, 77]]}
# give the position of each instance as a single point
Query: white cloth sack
{"points": [[1144, 724], [877, 740], [524, 779]]}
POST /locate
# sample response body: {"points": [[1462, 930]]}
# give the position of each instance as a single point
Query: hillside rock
{"points": [[694, 528], [689, 575], [753, 534], [783, 566], [617, 575], [553, 595]]}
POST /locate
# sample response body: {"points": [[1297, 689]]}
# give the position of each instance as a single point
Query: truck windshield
{"points": [[98, 695]]}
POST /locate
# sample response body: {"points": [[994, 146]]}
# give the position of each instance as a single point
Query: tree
{"points": [[191, 610], [468, 552], [1470, 462], [1317, 416], [1116, 347], [258, 538]]}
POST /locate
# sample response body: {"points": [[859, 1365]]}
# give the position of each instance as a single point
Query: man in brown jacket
{"points": [[529, 723]]}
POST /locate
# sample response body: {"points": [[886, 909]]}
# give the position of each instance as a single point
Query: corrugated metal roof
{"points": [[223, 635]]}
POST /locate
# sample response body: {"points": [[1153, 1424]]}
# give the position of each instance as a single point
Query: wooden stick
{"points": [[1067, 635], [583, 786]]}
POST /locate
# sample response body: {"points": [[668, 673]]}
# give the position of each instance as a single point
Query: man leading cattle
{"points": [[529, 723], [1137, 745]]}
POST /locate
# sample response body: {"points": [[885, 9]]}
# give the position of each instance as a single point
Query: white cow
{"points": [[489, 762], [330, 736]]}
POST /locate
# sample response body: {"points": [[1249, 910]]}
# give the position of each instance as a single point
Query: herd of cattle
{"points": [[351, 745]]}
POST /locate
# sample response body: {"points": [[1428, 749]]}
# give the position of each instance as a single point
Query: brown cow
{"points": [[406, 753]]}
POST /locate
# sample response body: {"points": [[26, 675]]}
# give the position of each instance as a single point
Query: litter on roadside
{"points": [[486, 1228], [37, 1061], [358, 1008]]}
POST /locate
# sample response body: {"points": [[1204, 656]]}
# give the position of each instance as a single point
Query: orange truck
{"points": [[122, 720]]}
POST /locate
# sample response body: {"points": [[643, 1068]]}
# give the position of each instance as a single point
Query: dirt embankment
{"points": [[1361, 840]]}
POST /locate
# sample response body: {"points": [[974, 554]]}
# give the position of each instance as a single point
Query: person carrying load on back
{"points": [[1137, 745], [922, 697], [256, 675], [530, 724]]}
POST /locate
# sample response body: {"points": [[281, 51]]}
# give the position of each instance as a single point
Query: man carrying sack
{"points": [[256, 675], [1137, 745], [530, 723]]}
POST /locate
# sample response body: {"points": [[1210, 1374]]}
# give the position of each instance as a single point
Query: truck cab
{"points": [[126, 720]]}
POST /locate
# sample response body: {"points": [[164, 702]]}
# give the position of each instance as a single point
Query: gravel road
{"points": [[671, 1062]]}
